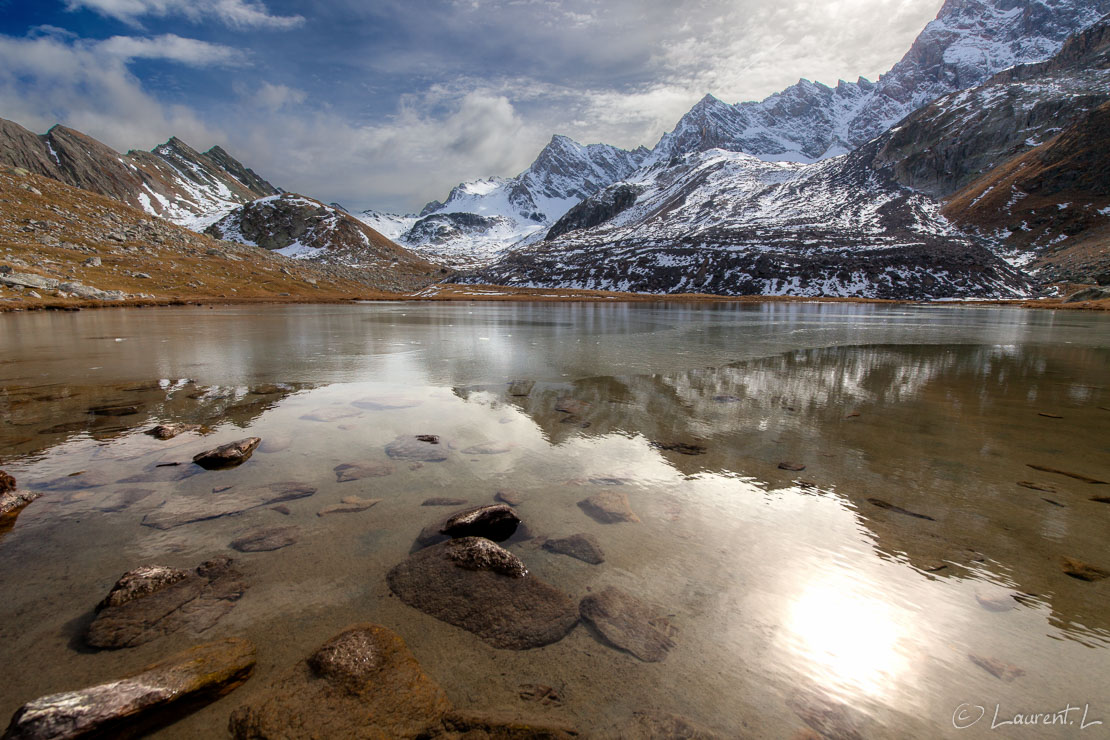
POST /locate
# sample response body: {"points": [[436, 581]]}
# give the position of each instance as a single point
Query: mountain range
{"points": [[974, 168]]}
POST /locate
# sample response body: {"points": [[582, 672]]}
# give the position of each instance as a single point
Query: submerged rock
{"points": [[831, 718], [333, 413], [276, 444], [142, 701], [521, 388], [266, 539], [169, 431], [176, 512], [7, 482], [1083, 571], [512, 498], [408, 447], [609, 507], [653, 725], [386, 403], [442, 501], [153, 601], [228, 455], [488, 448], [627, 623], [898, 509], [365, 684], [999, 669], [466, 585], [793, 466], [349, 505], [682, 448], [362, 683], [356, 471], [584, 547], [120, 500]]}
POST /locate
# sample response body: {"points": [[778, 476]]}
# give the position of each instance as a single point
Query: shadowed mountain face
{"points": [[173, 180]]}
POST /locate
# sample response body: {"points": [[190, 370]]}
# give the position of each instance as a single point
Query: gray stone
{"points": [[153, 602], [356, 471], [408, 447], [627, 623], [508, 611], [584, 547], [266, 539], [178, 511], [609, 507], [142, 701]]}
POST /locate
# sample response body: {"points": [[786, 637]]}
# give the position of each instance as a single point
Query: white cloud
{"points": [[234, 13], [86, 85], [192, 52], [275, 97]]}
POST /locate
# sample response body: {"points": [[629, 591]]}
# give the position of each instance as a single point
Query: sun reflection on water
{"points": [[853, 640]]}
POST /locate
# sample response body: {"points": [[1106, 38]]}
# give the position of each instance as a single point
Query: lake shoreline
{"points": [[491, 293]]}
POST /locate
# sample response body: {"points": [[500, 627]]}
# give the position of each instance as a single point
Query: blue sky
{"points": [[388, 104]]}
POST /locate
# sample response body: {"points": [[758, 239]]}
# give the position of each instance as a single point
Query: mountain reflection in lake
{"points": [[838, 525]]}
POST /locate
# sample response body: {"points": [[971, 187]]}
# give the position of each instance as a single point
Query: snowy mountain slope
{"points": [[969, 41], [481, 219], [303, 228], [173, 181], [729, 223]]}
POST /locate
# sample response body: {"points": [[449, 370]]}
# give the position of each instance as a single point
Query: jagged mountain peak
{"points": [[969, 41]]}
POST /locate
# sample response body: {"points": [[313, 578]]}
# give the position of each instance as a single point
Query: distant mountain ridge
{"points": [[480, 219], [173, 180]]}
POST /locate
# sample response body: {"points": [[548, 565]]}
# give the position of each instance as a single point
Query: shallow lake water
{"points": [[867, 594]]}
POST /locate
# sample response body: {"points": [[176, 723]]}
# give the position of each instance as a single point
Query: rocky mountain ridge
{"points": [[481, 219], [968, 42], [730, 223], [306, 229], [173, 181]]}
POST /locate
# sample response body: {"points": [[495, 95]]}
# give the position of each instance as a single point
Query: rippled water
{"points": [[847, 596]]}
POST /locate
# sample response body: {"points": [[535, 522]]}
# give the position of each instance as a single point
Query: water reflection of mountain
{"points": [[947, 432], [33, 420]]}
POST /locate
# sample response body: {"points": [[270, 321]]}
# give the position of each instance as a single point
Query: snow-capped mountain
{"points": [[481, 219], [969, 41], [303, 228], [729, 223], [173, 180]]}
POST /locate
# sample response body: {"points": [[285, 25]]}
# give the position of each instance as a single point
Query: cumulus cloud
{"points": [[48, 79], [399, 163], [234, 13]]}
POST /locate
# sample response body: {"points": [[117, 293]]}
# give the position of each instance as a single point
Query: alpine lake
{"points": [[833, 520]]}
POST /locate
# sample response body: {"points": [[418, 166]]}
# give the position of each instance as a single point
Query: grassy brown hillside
{"points": [[1051, 201], [74, 243]]}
